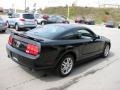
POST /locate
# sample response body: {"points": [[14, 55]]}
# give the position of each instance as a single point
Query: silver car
{"points": [[22, 20], [3, 26]]}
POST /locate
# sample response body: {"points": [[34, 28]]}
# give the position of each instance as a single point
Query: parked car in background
{"points": [[40, 17], [54, 19], [80, 20], [22, 20], [45, 16], [110, 24], [85, 20], [89, 21], [3, 26], [118, 25], [10, 12], [58, 46]]}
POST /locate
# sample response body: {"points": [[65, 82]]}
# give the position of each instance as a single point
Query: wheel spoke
{"points": [[67, 65], [63, 69], [63, 64]]}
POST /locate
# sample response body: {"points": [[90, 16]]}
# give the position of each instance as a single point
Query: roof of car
{"points": [[67, 26]]}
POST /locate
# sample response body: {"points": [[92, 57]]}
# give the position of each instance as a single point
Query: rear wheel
{"points": [[7, 24], [106, 50], [65, 66], [16, 27]]}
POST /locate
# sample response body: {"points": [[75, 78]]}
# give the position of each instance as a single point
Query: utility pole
{"points": [[68, 8], [25, 5], [68, 11]]}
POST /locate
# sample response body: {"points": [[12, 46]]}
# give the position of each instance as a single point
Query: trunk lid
{"points": [[21, 42]]}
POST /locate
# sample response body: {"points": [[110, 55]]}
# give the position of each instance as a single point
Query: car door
{"points": [[92, 45], [52, 19], [72, 41]]}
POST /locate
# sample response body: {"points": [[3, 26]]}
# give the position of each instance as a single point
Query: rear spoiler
{"points": [[25, 36]]}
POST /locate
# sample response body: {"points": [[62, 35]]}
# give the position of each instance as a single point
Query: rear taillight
{"points": [[10, 40], [22, 19], [32, 49]]}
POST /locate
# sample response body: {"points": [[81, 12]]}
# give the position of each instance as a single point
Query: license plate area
{"points": [[29, 22]]}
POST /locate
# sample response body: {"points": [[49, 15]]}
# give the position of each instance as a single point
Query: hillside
{"points": [[97, 13]]}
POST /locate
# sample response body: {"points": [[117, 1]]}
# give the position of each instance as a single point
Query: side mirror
{"points": [[96, 37]]}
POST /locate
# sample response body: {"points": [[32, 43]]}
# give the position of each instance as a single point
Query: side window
{"points": [[71, 36], [85, 34]]}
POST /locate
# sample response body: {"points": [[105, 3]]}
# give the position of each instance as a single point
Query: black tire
{"points": [[62, 65], [16, 27], [8, 26], [106, 51], [3, 31]]}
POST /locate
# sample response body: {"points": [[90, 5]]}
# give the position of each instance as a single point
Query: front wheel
{"points": [[65, 66], [106, 50]]}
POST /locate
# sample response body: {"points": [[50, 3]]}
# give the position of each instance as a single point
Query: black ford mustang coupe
{"points": [[57, 46]]}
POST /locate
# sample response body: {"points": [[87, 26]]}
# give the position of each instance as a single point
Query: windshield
{"points": [[48, 31]]}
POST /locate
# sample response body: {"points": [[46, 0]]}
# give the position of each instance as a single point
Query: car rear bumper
{"points": [[2, 28], [27, 26], [25, 59]]}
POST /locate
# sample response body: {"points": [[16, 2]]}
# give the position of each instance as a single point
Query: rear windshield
{"points": [[28, 16], [48, 31]]}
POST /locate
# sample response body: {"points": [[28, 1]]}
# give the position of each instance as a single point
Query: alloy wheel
{"points": [[106, 50]]}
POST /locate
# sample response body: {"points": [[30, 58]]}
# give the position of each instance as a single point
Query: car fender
{"points": [[64, 52]]}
